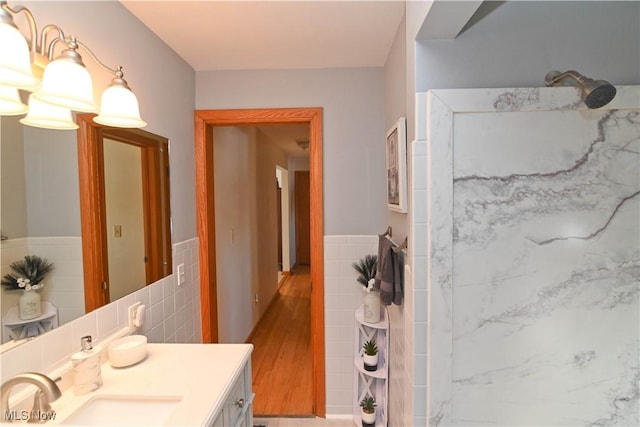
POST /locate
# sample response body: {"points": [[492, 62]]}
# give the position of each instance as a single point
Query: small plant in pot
{"points": [[368, 411], [370, 355], [366, 268], [28, 275]]}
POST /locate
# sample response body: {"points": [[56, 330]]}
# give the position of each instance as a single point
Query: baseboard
{"points": [[339, 416], [285, 276], [253, 331]]}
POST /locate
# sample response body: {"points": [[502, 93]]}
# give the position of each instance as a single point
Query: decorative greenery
{"points": [[370, 347], [27, 274], [366, 269], [368, 404]]}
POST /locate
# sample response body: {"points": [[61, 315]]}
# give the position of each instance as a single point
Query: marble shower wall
{"points": [[534, 276]]}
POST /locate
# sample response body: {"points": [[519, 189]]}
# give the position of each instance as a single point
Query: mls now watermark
{"points": [[39, 416]]}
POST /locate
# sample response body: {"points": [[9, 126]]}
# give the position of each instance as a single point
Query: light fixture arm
{"points": [[47, 49], [48, 52], [33, 41], [93, 56]]}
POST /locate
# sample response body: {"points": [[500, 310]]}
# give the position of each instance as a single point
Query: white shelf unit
{"points": [[17, 329], [375, 382]]}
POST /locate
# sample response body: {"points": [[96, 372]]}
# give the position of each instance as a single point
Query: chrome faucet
{"points": [[47, 392]]}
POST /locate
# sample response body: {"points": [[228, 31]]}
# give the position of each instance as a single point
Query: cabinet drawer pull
{"points": [[239, 403]]}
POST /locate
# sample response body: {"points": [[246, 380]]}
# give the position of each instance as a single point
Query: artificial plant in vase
{"points": [[27, 275], [368, 411], [370, 355], [366, 269]]}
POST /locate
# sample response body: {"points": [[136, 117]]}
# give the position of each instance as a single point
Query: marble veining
{"points": [[535, 275], [514, 100]]}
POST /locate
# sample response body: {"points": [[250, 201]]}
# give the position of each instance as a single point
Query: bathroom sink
{"points": [[124, 410]]}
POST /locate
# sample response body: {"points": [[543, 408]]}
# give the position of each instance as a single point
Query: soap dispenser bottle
{"points": [[86, 368]]}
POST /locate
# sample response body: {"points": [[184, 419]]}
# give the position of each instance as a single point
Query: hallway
{"points": [[281, 360]]}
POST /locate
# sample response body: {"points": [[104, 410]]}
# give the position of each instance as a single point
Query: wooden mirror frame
{"points": [[155, 152]]}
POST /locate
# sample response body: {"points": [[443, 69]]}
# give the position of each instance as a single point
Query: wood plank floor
{"points": [[281, 361]]}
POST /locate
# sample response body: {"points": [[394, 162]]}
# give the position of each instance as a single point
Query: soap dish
{"points": [[127, 351]]}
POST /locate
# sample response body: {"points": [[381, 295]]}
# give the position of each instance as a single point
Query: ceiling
{"points": [[287, 137], [266, 34]]}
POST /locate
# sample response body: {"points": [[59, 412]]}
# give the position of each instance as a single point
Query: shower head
{"points": [[595, 93]]}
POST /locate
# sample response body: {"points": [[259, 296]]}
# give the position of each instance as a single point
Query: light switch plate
{"points": [[181, 276]]}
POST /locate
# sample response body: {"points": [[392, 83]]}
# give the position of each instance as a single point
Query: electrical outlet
{"points": [[117, 231], [132, 313], [181, 275]]}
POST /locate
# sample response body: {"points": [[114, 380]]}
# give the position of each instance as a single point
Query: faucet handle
{"points": [[41, 408]]}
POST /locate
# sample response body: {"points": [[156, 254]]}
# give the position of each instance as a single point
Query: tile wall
{"points": [[63, 286], [417, 345], [172, 315], [343, 294]]}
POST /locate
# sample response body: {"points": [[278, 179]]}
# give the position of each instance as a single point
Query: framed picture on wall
{"points": [[396, 154]]}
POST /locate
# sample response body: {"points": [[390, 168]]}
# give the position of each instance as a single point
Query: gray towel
{"points": [[398, 274], [389, 272]]}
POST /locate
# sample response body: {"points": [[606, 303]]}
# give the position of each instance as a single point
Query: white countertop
{"points": [[201, 374]]}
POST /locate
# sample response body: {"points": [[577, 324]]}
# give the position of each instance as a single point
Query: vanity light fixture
{"points": [[59, 84]]}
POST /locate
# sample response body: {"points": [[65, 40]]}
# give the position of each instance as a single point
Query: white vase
{"points": [[370, 362], [372, 307], [29, 305], [368, 419]]}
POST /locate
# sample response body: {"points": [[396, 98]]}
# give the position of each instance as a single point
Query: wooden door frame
{"points": [[93, 216], [299, 226], [205, 208]]}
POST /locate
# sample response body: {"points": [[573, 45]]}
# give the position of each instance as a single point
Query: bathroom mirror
{"points": [[41, 210]]}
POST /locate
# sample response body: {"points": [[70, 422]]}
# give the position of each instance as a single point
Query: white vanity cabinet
{"points": [[238, 405]]}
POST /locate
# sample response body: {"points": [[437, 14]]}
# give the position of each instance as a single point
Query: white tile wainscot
{"points": [[172, 316], [343, 294]]}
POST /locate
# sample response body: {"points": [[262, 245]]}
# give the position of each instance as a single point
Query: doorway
{"points": [[205, 120], [284, 221]]}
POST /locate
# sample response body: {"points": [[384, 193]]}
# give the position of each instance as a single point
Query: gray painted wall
{"points": [[236, 214], [13, 205], [353, 103], [519, 42]]}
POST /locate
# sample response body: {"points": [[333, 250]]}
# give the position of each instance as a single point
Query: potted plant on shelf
{"points": [[368, 411], [370, 355], [366, 268], [28, 275]]}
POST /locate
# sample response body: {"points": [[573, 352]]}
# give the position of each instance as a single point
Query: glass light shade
{"points": [[15, 62], [43, 115], [10, 103], [119, 108], [67, 85]]}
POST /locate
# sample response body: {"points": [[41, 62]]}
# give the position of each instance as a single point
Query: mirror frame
{"points": [[155, 152]]}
